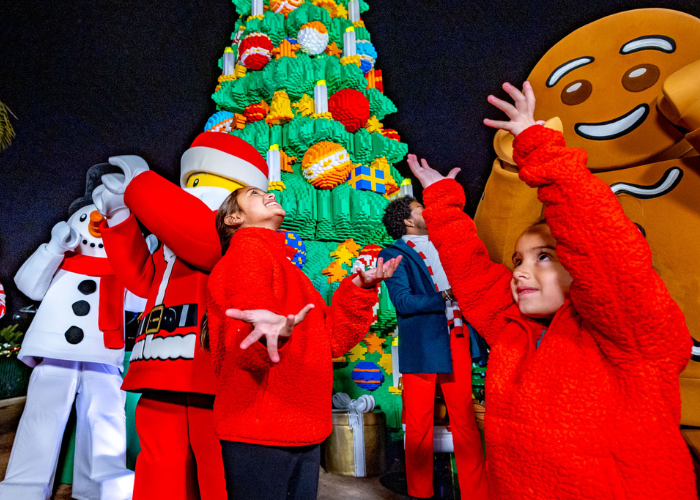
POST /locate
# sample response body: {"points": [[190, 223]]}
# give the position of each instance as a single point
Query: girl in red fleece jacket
{"points": [[586, 342], [273, 402]]}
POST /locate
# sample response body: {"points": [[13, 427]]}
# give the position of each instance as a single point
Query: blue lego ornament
{"points": [[368, 55], [294, 240], [217, 120], [367, 375]]}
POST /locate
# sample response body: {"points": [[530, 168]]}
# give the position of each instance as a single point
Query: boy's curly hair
{"points": [[394, 215]]}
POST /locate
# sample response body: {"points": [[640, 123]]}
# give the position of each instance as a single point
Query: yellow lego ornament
{"points": [[386, 363], [374, 125], [280, 109], [304, 106], [356, 353], [342, 255]]}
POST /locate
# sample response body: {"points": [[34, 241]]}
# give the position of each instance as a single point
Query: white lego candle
{"points": [[256, 8], [354, 10], [229, 61], [349, 42], [274, 163], [406, 188], [321, 97]]}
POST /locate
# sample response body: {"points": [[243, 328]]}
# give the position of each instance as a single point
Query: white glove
{"points": [[109, 204], [64, 238], [131, 165]]}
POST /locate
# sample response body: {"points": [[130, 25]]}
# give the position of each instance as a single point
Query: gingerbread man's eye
{"points": [[576, 92], [640, 77]]}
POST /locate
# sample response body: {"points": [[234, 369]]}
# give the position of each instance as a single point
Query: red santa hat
{"points": [[225, 155]]}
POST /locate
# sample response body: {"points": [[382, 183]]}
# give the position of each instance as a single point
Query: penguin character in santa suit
{"points": [[76, 346], [180, 454]]}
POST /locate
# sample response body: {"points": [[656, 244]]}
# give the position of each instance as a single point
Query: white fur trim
{"points": [[210, 160]]}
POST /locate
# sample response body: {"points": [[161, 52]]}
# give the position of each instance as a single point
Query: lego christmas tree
{"points": [[299, 83]]}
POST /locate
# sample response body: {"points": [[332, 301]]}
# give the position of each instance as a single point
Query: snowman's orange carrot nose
{"points": [[95, 221]]}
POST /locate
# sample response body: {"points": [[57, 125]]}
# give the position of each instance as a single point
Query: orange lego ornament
{"points": [[286, 162], [286, 49], [374, 80], [326, 165], [333, 50], [624, 89], [284, 6]]}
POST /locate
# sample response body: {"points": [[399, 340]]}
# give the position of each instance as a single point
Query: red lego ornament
{"points": [[256, 111], [255, 51], [350, 107]]}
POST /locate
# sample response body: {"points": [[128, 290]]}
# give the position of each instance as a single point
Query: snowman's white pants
{"points": [[100, 442]]}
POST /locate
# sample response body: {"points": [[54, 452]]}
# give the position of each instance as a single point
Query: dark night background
{"points": [[93, 79]]}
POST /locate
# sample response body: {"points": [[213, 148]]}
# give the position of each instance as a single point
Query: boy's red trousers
{"points": [[180, 455], [418, 398]]}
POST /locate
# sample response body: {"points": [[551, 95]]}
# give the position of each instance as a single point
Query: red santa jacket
{"points": [[594, 412], [288, 403], [167, 354]]}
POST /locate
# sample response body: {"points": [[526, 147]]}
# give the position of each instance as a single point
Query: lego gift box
{"points": [[357, 444]]}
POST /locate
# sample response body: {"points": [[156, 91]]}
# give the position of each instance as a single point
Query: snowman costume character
{"points": [[76, 346], [180, 453]]}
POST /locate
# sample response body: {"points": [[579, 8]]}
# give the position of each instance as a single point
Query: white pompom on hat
{"points": [[225, 155]]}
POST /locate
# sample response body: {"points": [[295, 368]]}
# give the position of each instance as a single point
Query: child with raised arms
{"points": [[274, 365], [582, 389]]}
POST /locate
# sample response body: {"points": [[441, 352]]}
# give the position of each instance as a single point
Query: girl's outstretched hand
{"points": [[270, 325], [521, 114], [373, 277], [427, 175]]}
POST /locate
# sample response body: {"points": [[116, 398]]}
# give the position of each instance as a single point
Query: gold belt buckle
{"points": [[154, 319]]}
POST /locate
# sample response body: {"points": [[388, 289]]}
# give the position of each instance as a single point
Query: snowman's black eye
{"points": [[83, 217]]}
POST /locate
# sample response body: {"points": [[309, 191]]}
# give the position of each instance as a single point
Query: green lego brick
{"points": [[274, 26], [379, 104], [293, 75], [306, 13]]}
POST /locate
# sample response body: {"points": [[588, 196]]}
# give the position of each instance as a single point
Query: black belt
{"points": [[168, 319]]}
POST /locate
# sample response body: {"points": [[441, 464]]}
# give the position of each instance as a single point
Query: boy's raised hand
{"points": [[521, 114], [270, 325], [427, 175], [373, 277]]}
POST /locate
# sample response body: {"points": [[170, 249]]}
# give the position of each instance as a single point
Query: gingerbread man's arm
{"points": [[680, 101]]}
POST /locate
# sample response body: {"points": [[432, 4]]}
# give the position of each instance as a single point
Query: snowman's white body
{"points": [[46, 337], [69, 367]]}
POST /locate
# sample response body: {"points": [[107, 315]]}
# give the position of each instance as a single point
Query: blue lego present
{"points": [[367, 178]]}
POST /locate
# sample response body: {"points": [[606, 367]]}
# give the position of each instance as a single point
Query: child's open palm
{"points": [[270, 325], [427, 175], [521, 114]]}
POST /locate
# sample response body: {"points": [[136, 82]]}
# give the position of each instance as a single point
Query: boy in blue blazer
{"points": [[431, 348]]}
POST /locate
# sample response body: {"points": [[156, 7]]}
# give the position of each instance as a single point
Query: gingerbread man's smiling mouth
{"points": [[612, 129]]}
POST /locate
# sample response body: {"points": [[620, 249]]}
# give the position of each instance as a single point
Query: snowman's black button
{"points": [[86, 287], [81, 308], [74, 335]]}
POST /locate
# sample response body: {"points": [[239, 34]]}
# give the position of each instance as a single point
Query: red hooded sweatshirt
{"points": [[594, 412], [286, 403]]}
